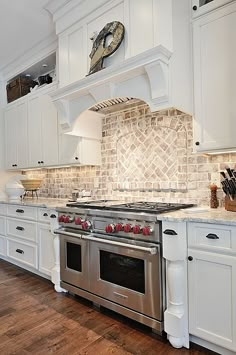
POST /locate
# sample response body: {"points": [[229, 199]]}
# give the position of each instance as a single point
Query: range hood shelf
{"points": [[145, 76]]}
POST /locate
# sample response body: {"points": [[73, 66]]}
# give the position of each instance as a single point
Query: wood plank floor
{"points": [[34, 319]]}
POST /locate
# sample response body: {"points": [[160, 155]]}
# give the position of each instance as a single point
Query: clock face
{"points": [[99, 50]]}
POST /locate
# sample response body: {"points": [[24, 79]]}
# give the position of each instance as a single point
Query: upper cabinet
{"points": [[43, 131], [201, 7], [214, 79], [16, 136]]}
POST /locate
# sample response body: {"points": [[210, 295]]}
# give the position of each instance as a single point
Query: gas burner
{"points": [[149, 207]]}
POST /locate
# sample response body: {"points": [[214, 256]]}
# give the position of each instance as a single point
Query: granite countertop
{"points": [[38, 202], [207, 215]]}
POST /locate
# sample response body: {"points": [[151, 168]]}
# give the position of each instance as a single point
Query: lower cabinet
{"points": [[3, 245], [23, 252], [46, 249], [212, 295]]}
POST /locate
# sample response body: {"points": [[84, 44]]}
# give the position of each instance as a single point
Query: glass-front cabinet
{"points": [[201, 7]]}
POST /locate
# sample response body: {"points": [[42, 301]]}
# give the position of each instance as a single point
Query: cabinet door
{"points": [[214, 80], [46, 249], [22, 135], [212, 294], [10, 137], [68, 149], [201, 7], [49, 131], [34, 131]]}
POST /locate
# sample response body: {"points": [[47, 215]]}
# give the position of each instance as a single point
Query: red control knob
{"points": [[136, 229], [68, 219], [78, 221], [118, 227], [110, 228], [147, 230], [61, 219], [127, 228], [86, 225]]}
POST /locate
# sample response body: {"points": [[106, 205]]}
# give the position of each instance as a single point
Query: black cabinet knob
{"points": [[41, 162], [212, 236], [197, 143], [45, 214], [194, 8], [190, 258], [53, 216], [76, 158], [170, 232]]}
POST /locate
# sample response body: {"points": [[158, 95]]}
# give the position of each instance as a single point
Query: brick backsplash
{"points": [[145, 156]]}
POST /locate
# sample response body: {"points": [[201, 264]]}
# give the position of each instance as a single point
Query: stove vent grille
{"points": [[109, 103]]}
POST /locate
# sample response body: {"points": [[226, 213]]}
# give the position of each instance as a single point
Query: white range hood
{"points": [[145, 76]]}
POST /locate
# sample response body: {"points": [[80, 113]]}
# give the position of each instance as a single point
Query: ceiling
{"points": [[23, 24]]}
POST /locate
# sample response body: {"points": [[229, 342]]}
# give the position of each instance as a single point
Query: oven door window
{"points": [[122, 270], [73, 256]]}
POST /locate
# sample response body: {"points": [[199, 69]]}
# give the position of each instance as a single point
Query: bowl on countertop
{"points": [[31, 184]]}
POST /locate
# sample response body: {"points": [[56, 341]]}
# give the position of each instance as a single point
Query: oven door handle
{"points": [[151, 250], [69, 234]]}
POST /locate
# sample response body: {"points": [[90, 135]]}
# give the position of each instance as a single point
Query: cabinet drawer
{"points": [[20, 211], [26, 254], [3, 248], [3, 209], [43, 215], [2, 225], [212, 236], [22, 229]]}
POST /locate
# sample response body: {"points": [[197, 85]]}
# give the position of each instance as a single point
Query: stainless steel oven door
{"points": [[74, 259], [127, 274]]}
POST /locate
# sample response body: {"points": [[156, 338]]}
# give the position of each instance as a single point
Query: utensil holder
{"points": [[230, 205]]}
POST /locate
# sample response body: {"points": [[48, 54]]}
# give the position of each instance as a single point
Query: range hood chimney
{"points": [[144, 76]]}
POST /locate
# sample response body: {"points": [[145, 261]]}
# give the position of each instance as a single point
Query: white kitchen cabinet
{"points": [[43, 131], [46, 249], [212, 294], [200, 7], [16, 136], [79, 150], [214, 80]]}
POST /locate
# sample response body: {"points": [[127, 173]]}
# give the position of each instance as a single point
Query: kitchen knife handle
{"points": [[223, 174]]}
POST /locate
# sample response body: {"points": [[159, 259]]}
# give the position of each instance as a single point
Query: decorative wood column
{"points": [[176, 313]]}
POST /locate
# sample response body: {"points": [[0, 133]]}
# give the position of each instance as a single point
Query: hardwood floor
{"points": [[34, 319]]}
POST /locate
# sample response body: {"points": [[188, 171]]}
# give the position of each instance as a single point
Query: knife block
{"points": [[230, 205]]}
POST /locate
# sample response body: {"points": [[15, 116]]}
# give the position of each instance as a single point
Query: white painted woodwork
{"points": [[16, 136], [29, 256], [3, 209], [3, 245], [49, 142], [43, 134], [43, 215], [214, 77], [203, 8], [150, 64], [2, 225], [78, 150], [22, 212], [197, 237], [176, 313], [29, 231], [46, 249], [212, 294]]}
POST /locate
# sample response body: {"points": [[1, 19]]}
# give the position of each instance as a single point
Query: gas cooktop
{"points": [[142, 207]]}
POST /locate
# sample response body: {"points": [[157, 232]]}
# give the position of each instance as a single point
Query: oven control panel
{"points": [[74, 220]]}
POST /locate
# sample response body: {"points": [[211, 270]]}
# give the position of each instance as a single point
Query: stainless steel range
{"points": [[111, 254]]}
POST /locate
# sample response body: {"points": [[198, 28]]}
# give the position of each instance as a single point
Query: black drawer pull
{"points": [[20, 211], [170, 232], [45, 215], [212, 236], [20, 251], [20, 228], [53, 216]]}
